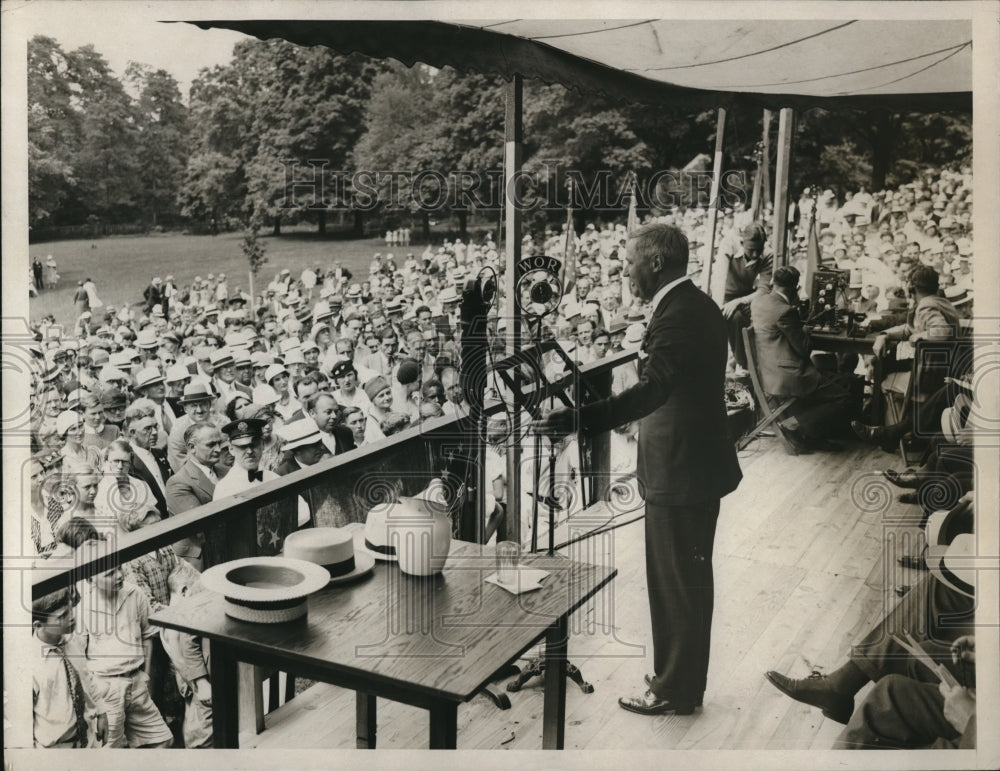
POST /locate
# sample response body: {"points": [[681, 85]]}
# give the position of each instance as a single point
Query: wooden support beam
{"points": [[713, 206], [786, 129], [766, 187], [514, 147]]}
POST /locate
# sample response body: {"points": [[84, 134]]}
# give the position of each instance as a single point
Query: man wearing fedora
{"points": [[274, 521], [150, 384], [304, 440], [194, 484], [197, 403], [686, 463]]}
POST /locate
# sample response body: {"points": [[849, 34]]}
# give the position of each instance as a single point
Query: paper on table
{"points": [[529, 579]]}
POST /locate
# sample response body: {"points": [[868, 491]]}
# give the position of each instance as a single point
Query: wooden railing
{"points": [[340, 489]]}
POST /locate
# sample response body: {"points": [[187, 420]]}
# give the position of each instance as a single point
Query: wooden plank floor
{"points": [[800, 574]]}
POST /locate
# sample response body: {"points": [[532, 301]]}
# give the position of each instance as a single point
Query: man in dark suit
{"points": [[149, 463], [322, 407], [687, 461], [194, 484], [822, 405]]}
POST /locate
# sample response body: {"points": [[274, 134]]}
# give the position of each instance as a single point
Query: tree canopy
{"points": [[281, 132]]}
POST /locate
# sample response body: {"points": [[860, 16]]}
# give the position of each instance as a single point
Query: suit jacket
{"points": [[686, 454], [345, 439], [782, 347], [139, 470], [186, 490]]}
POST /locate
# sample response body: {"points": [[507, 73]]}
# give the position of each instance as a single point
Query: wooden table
{"points": [[841, 342], [429, 642]]}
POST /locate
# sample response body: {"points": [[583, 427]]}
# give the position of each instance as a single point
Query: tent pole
{"points": [[786, 128], [514, 141], [713, 205], [766, 187]]}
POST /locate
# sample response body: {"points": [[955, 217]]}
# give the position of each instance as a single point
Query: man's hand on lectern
{"points": [[557, 423]]}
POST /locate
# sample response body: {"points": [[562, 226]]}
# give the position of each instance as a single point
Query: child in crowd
{"points": [[62, 685], [189, 655], [118, 644]]}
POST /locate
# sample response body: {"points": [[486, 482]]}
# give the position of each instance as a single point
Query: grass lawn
{"points": [[122, 266]]}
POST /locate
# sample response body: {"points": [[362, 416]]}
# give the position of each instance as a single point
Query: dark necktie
{"points": [[255, 476], [76, 693]]}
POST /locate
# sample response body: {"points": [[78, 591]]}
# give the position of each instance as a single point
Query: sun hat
{"points": [[300, 433], [273, 371], [196, 392], [266, 590], [375, 386], [177, 373], [331, 547], [66, 420], [147, 377], [264, 395]]}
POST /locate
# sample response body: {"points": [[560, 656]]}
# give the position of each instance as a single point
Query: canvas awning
{"points": [[912, 65]]}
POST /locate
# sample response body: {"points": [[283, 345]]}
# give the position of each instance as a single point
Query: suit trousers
{"points": [[679, 581], [901, 713], [933, 613], [734, 330]]}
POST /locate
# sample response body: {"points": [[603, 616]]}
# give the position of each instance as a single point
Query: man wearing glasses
{"points": [[275, 521]]}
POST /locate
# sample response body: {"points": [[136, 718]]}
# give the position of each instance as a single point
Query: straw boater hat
{"points": [[266, 590], [333, 548], [300, 433], [951, 549]]}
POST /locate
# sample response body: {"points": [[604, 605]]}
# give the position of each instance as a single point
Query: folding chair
{"points": [[769, 415]]}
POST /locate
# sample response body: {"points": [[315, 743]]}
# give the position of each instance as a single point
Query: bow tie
{"points": [[255, 476]]}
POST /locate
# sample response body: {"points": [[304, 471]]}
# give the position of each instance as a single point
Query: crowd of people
{"points": [[197, 391]]}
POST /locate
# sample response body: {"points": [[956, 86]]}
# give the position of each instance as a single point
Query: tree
{"points": [[52, 127], [162, 139]]}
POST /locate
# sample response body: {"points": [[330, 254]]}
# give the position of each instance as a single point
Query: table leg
{"points": [[554, 720], [444, 725], [225, 697], [366, 720]]}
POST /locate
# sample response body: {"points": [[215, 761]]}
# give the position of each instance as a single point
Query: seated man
{"points": [[822, 405], [938, 611], [905, 713], [932, 318]]}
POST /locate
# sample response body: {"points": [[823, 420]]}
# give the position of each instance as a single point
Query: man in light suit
{"points": [[194, 484], [686, 464], [822, 405]]}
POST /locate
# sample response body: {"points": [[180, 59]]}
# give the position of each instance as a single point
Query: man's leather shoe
{"points": [[650, 704], [870, 434], [649, 684], [908, 478], [907, 498], [816, 692]]}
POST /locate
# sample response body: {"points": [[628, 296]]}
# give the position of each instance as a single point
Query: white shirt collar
{"points": [[664, 291], [205, 470]]}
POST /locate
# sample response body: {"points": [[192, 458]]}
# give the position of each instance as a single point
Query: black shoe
{"points": [[907, 498], [907, 479], [816, 692], [650, 704], [649, 684], [870, 434]]}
